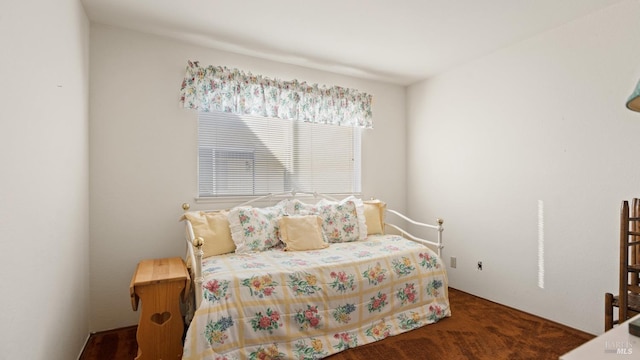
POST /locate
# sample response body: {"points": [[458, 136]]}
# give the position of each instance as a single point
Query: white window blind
{"points": [[249, 155]]}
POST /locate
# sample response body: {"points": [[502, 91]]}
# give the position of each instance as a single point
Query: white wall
{"points": [[143, 153], [545, 120], [44, 179]]}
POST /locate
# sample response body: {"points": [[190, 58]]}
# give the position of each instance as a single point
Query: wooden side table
{"points": [[158, 283]]}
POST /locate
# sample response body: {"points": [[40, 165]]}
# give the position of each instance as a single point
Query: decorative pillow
{"points": [[374, 216], [302, 232], [213, 227], [342, 221], [255, 229]]}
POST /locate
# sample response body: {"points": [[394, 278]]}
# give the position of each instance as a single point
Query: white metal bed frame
{"points": [[197, 242]]}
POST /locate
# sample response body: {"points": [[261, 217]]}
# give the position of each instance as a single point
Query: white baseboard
{"points": [[86, 341]]}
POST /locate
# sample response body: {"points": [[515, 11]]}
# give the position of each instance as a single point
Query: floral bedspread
{"points": [[311, 304]]}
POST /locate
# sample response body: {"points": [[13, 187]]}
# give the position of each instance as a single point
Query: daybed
{"points": [[304, 281]]}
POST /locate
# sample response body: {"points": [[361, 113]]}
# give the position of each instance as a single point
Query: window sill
{"points": [[242, 199]]}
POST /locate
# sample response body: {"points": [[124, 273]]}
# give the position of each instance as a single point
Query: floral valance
{"points": [[231, 90]]}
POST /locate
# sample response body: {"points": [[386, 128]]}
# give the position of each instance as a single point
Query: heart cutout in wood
{"points": [[160, 319]]}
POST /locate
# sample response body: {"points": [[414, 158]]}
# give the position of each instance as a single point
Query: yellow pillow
{"points": [[213, 227], [374, 216], [302, 232]]}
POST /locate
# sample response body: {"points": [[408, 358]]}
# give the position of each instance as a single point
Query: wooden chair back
{"points": [[629, 260]]}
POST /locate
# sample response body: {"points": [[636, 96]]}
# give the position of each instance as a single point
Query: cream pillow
{"points": [[213, 227], [374, 216], [302, 232]]}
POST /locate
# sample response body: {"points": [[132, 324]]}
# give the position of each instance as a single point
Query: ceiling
{"points": [[396, 41]]}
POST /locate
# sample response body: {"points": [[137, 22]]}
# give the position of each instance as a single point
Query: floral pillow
{"points": [[342, 221], [255, 229]]}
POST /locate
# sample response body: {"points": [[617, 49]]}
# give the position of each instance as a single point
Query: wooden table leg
{"points": [[161, 326]]}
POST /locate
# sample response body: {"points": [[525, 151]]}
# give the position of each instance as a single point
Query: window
{"points": [[249, 155]]}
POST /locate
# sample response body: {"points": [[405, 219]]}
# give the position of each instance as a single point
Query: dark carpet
{"points": [[478, 329]]}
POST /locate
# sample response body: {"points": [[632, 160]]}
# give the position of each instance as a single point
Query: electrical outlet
{"points": [[453, 262], [480, 265]]}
